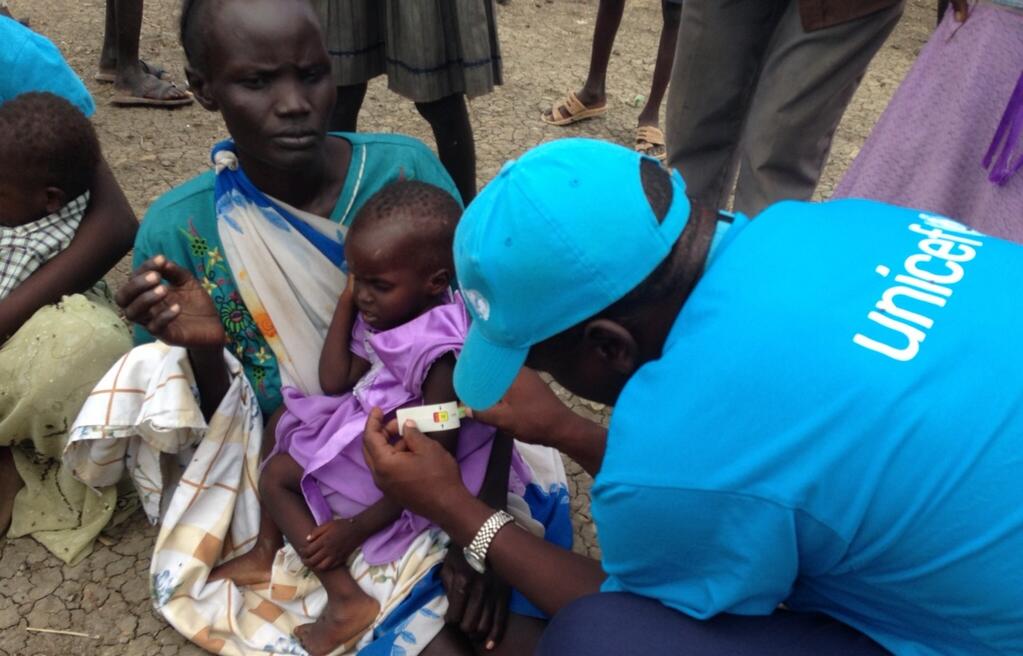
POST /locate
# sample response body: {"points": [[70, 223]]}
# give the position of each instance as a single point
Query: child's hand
{"points": [[349, 291], [477, 603], [329, 545]]}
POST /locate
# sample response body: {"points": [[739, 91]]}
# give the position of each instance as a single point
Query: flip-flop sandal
{"points": [[574, 112], [155, 71], [650, 142], [149, 101]]}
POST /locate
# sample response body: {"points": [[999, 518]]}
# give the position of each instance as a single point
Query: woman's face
{"points": [[268, 74]]}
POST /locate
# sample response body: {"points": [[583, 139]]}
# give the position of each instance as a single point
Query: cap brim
{"points": [[485, 371]]}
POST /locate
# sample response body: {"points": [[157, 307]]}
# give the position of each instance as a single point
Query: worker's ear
{"points": [[612, 344]]}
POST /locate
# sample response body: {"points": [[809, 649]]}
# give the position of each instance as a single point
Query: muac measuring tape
{"points": [[432, 418]]}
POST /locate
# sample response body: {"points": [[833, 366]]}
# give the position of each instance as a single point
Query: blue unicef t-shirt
{"points": [[836, 423], [30, 62]]}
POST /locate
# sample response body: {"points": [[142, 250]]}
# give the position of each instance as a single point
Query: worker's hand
{"points": [[477, 603], [178, 312], [415, 472], [529, 410]]}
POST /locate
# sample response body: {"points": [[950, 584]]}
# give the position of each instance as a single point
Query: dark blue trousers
{"points": [[622, 624]]}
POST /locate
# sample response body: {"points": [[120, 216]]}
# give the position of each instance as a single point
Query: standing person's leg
{"points": [[720, 46], [108, 53], [808, 79], [456, 147], [135, 85], [650, 116], [345, 117], [593, 93], [620, 623]]}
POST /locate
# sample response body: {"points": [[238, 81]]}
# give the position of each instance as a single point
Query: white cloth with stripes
{"points": [[25, 248]]}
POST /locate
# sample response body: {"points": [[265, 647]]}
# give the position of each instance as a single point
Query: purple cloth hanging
{"points": [[1006, 140]]}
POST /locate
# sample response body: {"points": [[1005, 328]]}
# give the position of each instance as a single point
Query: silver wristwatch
{"points": [[476, 553]]}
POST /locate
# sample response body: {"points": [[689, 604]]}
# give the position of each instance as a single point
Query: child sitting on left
{"points": [[49, 155], [42, 200]]}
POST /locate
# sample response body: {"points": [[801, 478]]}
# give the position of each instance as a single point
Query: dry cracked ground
{"points": [[546, 50]]}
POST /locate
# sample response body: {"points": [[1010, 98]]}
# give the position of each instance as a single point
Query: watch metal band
{"points": [[477, 549]]}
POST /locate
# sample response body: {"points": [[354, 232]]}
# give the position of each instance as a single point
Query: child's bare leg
{"points": [[10, 483], [255, 565], [349, 610]]}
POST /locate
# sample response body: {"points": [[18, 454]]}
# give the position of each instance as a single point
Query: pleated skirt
{"points": [[429, 49]]}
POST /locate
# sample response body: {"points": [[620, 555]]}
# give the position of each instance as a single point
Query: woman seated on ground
{"points": [[252, 256], [58, 332]]}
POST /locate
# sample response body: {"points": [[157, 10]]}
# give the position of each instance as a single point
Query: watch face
{"points": [[474, 561]]}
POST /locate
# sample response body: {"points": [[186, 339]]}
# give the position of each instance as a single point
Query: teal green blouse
{"points": [[182, 225]]}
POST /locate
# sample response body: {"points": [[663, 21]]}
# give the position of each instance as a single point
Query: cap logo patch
{"points": [[480, 304]]}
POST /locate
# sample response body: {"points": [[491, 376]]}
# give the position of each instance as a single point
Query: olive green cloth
{"points": [[47, 369]]}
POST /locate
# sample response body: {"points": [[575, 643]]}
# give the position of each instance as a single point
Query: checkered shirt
{"points": [[25, 248]]}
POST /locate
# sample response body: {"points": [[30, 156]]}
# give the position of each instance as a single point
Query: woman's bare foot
{"points": [[340, 622], [251, 568], [10, 483]]}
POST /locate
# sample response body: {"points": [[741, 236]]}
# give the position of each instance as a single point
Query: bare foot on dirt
{"points": [[10, 483], [136, 87], [251, 568], [339, 623]]}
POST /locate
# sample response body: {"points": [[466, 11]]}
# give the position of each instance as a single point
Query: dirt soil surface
{"points": [[546, 52]]}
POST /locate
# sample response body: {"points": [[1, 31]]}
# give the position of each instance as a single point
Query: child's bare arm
{"points": [[105, 235], [340, 369], [494, 491], [439, 387]]}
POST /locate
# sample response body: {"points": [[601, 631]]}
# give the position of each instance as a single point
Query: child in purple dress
{"points": [[391, 343]]}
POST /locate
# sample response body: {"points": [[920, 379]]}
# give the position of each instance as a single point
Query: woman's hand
{"points": [[477, 603], [179, 313], [415, 472]]}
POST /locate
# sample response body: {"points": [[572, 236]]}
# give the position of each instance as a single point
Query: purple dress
{"points": [[324, 433], [926, 152]]}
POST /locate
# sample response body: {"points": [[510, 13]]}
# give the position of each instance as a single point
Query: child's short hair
{"points": [[427, 211], [49, 141]]}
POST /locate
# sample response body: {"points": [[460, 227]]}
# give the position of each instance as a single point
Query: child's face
{"points": [[391, 287], [269, 77]]}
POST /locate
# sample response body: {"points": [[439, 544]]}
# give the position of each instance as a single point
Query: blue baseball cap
{"points": [[559, 235]]}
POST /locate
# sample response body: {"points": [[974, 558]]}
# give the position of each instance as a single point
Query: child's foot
{"points": [[339, 624], [251, 568], [10, 483]]}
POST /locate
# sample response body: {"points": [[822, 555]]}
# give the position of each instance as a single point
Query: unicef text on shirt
{"points": [[927, 279]]}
